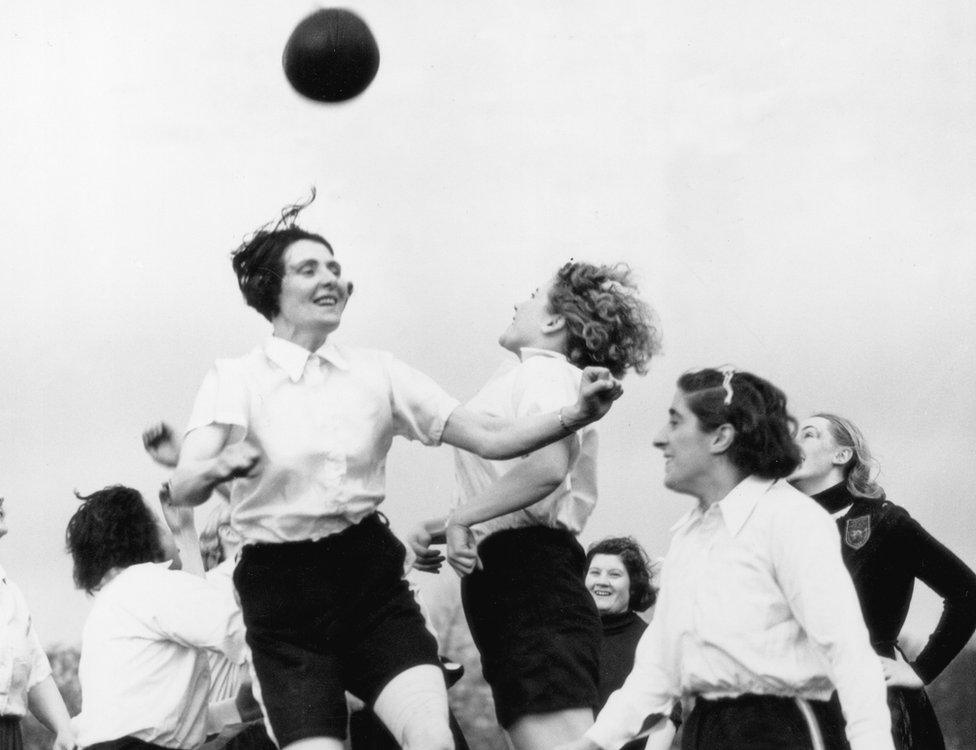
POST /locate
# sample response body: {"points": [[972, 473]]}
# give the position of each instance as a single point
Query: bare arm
{"points": [[46, 704], [499, 438], [207, 461]]}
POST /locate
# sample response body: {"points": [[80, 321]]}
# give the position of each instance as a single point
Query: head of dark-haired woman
{"points": [[726, 418], [291, 277], [618, 576], [111, 530]]}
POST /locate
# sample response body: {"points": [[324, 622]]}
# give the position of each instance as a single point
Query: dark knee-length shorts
{"points": [[534, 622]]}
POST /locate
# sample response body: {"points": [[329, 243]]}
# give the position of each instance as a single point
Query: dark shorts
{"points": [[10, 734], [327, 616], [760, 722], [534, 622]]}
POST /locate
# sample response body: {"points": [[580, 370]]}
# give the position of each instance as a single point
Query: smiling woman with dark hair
{"points": [[756, 617]]}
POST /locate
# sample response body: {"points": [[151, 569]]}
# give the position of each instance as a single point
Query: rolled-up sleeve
{"points": [[420, 407], [222, 399]]}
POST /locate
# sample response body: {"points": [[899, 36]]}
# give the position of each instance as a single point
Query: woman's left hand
{"points": [[64, 740], [462, 549], [899, 673]]}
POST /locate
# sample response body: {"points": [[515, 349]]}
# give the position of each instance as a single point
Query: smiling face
{"points": [[313, 292], [608, 582], [823, 459], [688, 454], [533, 324]]}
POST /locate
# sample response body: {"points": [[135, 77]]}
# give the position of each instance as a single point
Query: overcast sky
{"points": [[794, 185]]}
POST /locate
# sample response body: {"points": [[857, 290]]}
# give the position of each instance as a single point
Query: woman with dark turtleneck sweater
{"points": [[618, 576], [885, 550]]}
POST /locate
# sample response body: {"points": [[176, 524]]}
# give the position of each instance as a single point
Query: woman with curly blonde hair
{"points": [[513, 533]]}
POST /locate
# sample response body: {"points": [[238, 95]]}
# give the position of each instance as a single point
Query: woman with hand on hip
{"points": [[301, 427], [886, 550], [513, 533]]}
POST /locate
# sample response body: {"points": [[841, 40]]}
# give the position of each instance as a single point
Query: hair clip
{"points": [[727, 372]]}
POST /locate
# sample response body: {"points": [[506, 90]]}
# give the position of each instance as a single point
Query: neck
{"points": [[307, 339], [714, 487], [813, 485]]}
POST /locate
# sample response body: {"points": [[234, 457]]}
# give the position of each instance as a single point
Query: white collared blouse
{"points": [[324, 421], [754, 599], [542, 382]]}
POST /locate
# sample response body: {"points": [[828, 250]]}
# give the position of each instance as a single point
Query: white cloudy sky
{"points": [[794, 185]]}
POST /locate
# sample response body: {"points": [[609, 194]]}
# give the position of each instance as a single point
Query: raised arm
{"points": [[207, 461], [500, 438]]}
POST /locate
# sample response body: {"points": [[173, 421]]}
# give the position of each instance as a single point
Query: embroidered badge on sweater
{"points": [[857, 531]]}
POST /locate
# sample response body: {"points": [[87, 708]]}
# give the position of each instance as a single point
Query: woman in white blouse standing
{"points": [[513, 534], [25, 674], [756, 617], [302, 427]]}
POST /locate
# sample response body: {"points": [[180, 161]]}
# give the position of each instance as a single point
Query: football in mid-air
{"points": [[331, 56]]}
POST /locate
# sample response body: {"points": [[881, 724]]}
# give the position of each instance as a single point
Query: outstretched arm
{"points": [[500, 438]]}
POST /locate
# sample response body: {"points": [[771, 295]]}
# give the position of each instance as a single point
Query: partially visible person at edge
{"points": [[756, 618], [26, 683], [513, 531], [302, 426], [144, 675], [886, 550], [618, 576]]}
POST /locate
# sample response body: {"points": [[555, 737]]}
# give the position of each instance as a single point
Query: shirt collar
{"points": [[527, 351], [738, 504], [292, 358], [734, 507]]}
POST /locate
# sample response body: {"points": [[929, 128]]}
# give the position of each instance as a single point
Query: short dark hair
{"points": [[259, 260], [113, 528], [638, 565], [764, 429], [608, 325]]}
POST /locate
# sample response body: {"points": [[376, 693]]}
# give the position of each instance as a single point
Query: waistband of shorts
{"points": [[752, 699], [373, 525]]}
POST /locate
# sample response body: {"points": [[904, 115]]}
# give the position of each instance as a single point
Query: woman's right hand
{"points": [[238, 460], [425, 559]]}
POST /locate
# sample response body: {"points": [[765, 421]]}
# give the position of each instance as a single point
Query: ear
{"points": [[722, 438], [842, 456], [349, 287], [554, 324]]}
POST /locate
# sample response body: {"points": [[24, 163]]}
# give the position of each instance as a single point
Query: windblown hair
{"points": [[608, 324], [211, 549], [112, 528], [259, 260], [638, 565], [763, 443], [859, 472]]}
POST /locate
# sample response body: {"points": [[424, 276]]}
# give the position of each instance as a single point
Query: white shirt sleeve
{"points": [[648, 689], [192, 612], [40, 666], [222, 399], [812, 576], [420, 407]]}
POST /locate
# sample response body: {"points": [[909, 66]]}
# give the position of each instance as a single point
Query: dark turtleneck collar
{"points": [[614, 623], [835, 498]]}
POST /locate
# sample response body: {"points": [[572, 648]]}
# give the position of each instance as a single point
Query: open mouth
{"points": [[327, 300]]}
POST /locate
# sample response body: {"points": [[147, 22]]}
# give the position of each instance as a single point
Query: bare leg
{"points": [[545, 731], [315, 743]]}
